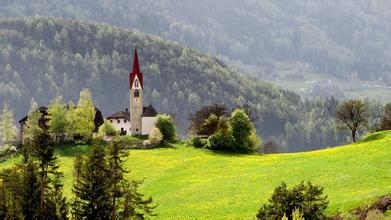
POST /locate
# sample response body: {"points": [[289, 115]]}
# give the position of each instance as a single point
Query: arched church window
{"points": [[136, 83], [136, 93]]}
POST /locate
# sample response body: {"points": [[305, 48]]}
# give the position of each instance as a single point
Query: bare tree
{"points": [[352, 115]]}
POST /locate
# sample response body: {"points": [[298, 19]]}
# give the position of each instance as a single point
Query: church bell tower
{"points": [[136, 96]]}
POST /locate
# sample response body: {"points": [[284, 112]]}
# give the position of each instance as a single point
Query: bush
{"points": [[107, 129], [166, 126], [147, 143], [198, 142], [222, 141], [156, 136], [243, 132], [305, 197]]}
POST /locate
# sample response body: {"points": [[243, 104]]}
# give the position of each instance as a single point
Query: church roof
{"points": [[121, 114], [136, 70], [149, 111]]}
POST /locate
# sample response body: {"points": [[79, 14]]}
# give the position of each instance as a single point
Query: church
{"points": [[140, 120]]}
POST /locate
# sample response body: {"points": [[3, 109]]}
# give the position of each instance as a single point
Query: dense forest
{"points": [[348, 39], [44, 58]]}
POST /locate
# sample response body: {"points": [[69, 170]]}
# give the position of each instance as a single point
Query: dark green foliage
{"points": [[134, 204], [199, 123], [222, 141], [30, 188], [257, 35], [385, 121], [305, 197], [166, 126], [92, 188], [43, 57], [101, 189], [197, 142], [242, 128]]}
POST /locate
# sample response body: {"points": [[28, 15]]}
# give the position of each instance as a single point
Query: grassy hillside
{"points": [[190, 183]]}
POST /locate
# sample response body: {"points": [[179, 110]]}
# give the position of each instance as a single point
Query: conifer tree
{"points": [[7, 126], [52, 204], [77, 170], [93, 187], [125, 192], [116, 152], [30, 190], [57, 118]]}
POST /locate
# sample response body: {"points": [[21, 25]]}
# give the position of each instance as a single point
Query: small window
{"points": [[125, 121], [136, 93], [118, 121], [136, 129], [136, 83], [111, 121]]}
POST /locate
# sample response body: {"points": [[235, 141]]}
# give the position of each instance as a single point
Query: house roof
{"points": [[149, 111], [121, 114], [41, 109], [136, 70]]}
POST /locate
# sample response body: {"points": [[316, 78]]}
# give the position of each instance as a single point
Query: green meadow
{"points": [[195, 183]]}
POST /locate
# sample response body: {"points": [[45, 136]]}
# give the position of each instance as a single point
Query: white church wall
{"points": [[148, 123], [121, 123]]}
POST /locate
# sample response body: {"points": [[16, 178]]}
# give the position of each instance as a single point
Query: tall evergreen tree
{"points": [[7, 126], [127, 201], [93, 187], [48, 175], [117, 151], [57, 120], [30, 190]]}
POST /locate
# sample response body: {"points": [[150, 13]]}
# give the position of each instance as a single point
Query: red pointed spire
{"points": [[136, 70]]}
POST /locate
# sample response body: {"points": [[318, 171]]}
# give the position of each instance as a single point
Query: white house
{"points": [[140, 120]]}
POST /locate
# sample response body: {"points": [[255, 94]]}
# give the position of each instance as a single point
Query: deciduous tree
{"points": [[352, 115], [57, 120]]}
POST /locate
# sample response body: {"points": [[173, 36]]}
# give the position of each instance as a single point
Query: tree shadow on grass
{"points": [[229, 154], [72, 150]]}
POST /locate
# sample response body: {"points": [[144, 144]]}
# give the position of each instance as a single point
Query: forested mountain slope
{"points": [[43, 58], [288, 41]]}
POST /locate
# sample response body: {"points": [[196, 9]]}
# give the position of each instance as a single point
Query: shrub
{"points": [[156, 136], [284, 201], [198, 142], [243, 132], [222, 141], [107, 129], [146, 143], [166, 126]]}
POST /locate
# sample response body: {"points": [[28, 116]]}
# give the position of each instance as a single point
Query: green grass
{"points": [[195, 183]]}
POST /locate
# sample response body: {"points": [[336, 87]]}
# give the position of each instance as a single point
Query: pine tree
{"points": [[127, 202], [117, 151], [93, 187], [57, 118], [7, 126], [30, 190], [77, 170], [52, 203]]}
